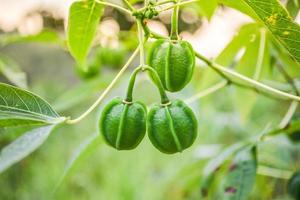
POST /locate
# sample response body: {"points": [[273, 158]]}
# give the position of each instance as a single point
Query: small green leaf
{"points": [[293, 7], [225, 177], [20, 107], [291, 66], [275, 156], [208, 8], [23, 146], [245, 35], [84, 17], [229, 54], [239, 5], [240, 178], [12, 72], [276, 18], [213, 164], [247, 65]]}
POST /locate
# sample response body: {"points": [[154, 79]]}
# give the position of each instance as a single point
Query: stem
{"points": [[283, 86], [141, 41], [293, 107], [289, 114], [114, 6], [131, 84], [250, 81], [159, 85], [207, 92], [164, 2], [289, 79], [261, 52], [178, 4], [106, 91], [129, 5], [273, 172], [151, 33], [222, 75], [174, 23]]}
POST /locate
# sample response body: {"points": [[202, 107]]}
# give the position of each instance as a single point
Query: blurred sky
{"points": [[210, 39]]}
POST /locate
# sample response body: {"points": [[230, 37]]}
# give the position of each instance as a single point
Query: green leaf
{"points": [[243, 38], [276, 153], [213, 164], [291, 66], [20, 107], [240, 178], [12, 72], [23, 146], [276, 18], [244, 102], [247, 65], [84, 17], [46, 36], [208, 8], [293, 7], [223, 172], [229, 54], [239, 5]]}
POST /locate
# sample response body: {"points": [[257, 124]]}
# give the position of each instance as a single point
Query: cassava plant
{"points": [[271, 43]]}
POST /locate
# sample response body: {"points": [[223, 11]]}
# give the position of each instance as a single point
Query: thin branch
{"points": [[207, 92], [114, 6], [129, 5], [293, 107], [177, 4], [141, 41], [106, 91], [260, 57], [289, 114], [289, 79], [164, 2], [250, 81], [237, 84]]}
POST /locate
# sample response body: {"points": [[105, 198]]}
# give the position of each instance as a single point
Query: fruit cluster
{"points": [[171, 125]]}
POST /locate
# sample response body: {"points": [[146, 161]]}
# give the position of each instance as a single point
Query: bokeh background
{"points": [[45, 67]]}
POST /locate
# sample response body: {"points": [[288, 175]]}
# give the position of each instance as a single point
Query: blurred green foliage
{"points": [[75, 163]]}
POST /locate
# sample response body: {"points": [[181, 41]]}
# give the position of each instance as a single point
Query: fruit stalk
{"points": [[131, 85], [174, 23], [159, 85]]}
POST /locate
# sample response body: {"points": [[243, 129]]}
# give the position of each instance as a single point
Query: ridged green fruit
{"points": [[123, 125], [294, 186], [171, 128], [174, 62]]}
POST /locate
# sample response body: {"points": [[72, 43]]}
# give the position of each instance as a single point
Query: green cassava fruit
{"points": [[123, 125], [294, 186], [174, 62], [171, 128]]}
